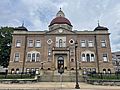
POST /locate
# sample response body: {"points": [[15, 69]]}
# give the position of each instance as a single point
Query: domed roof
{"points": [[21, 28], [60, 19], [100, 27]]}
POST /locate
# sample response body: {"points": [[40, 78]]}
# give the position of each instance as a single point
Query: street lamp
{"points": [[77, 85]]}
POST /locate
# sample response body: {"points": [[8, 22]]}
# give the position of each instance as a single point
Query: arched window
{"points": [[37, 57], [92, 57], [29, 57], [88, 57], [12, 70], [17, 71], [109, 71], [83, 57], [104, 71], [60, 42], [33, 57]]}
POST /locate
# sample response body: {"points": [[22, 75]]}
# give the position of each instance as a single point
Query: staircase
{"points": [[54, 76]]}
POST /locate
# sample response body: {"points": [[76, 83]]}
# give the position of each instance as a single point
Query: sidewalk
{"points": [[55, 86]]}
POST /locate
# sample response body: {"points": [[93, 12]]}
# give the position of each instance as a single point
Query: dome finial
{"points": [[98, 23], [60, 8], [60, 13], [23, 24]]}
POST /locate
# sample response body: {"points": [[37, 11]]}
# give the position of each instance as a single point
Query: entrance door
{"points": [[60, 62]]}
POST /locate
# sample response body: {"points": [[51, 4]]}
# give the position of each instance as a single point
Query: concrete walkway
{"points": [[55, 86]]}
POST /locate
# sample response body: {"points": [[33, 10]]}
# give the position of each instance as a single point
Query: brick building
{"points": [[49, 50]]}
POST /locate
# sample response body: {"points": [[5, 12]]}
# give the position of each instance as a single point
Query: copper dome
{"points": [[60, 20]]}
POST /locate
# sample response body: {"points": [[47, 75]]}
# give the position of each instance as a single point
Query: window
{"points": [[71, 52], [90, 43], [72, 60], [37, 43], [30, 43], [71, 41], [88, 57], [12, 71], [83, 57], [105, 58], [27, 70], [18, 43], [92, 57], [103, 43], [83, 43], [49, 52], [29, 57], [104, 71], [17, 56], [37, 57], [17, 71], [36, 71], [33, 57], [60, 43]]}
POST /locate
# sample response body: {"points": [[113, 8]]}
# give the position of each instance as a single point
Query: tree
{"points": [[5, 45]]}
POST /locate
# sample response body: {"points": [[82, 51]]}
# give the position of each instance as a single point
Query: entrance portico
{"points": [[60, 58]]}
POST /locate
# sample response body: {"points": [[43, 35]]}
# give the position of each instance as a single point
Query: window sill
{"points": [[105, 62]]}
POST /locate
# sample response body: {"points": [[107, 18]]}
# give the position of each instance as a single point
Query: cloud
{"points": [[83, 14]]}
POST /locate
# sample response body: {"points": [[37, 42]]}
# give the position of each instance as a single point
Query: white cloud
{"points": [[83, 14]]}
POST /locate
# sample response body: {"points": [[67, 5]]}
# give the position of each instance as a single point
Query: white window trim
{"points": [[72, 40], [90, 41], [17, 42], [15, 57], [81, 41], [36, 42], [31, 56], [88, 52], [107, 57], [105, 43], [29, 43]]}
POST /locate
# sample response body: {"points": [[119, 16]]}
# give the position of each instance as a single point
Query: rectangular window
{"points": [[37, 71], [30, 43], [103, 43], [37, 43], [105, 58], [17, 56], [18, 43], [28, 57], [49, 52], [27, 70], [90, 43], [83, 43]]}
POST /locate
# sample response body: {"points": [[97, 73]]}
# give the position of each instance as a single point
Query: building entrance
{"points": [[60, 62]]}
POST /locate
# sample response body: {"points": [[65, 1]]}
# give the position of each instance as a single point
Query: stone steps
{"points": [[54, 76]]}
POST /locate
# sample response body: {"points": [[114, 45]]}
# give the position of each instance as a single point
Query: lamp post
{"points": [[77, 85]]}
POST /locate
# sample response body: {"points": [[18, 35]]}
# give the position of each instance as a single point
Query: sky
{"points": [[83, 14]]}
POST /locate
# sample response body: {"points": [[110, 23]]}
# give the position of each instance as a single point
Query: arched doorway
{"points": [[60, 62]]}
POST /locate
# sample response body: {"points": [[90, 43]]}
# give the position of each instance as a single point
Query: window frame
{"points": [[107, 60], [103, 43], [37, 43], [83, 42], [18, 57], [30, 44], [90, 42], [17, 43]]}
